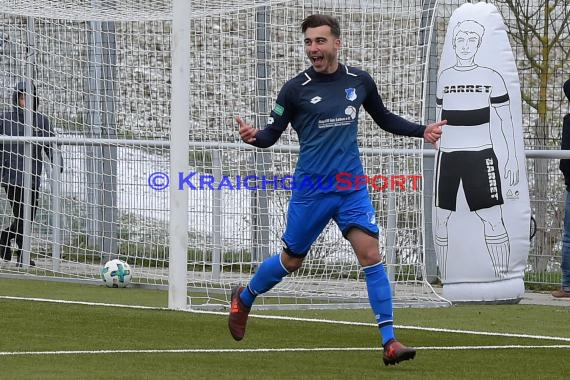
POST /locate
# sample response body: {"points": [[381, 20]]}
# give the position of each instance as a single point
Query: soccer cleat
{"points": [[395, 352], [238, 314]]}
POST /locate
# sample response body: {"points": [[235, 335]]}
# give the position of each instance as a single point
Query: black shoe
{"points": [[5, 253], [5, 250]]}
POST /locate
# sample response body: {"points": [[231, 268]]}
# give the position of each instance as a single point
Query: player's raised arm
{"points": [[261, 138]]}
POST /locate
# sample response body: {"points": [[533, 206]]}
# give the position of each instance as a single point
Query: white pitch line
{"points": [[297, 319], [267, 350], [81, 303], [402, 327]]}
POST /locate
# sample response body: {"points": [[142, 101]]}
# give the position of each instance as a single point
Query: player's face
{"points": [[466, 45], [321, 46]]}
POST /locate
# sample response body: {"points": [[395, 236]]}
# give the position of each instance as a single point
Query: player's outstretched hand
{"points": [[246, 131], [433, 131]]}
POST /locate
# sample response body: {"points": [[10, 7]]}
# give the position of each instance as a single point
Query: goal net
{"points": [[103, 75]]}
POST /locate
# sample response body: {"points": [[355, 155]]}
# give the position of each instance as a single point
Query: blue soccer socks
{"points": [[270, 273], [380, 298]]}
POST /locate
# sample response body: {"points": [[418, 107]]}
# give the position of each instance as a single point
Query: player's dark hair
{"points": [[314, 21]]}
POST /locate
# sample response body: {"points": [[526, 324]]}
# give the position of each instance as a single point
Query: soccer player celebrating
{"points": [[322, 105]]}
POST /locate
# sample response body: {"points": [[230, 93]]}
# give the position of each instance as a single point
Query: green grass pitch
{"points": [[49, 340]]}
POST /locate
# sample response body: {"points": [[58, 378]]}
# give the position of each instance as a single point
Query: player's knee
{"points": [[369, 257], [291, 262]]}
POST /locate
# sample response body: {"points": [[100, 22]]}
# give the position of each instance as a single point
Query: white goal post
{"points": [[143, 93]]}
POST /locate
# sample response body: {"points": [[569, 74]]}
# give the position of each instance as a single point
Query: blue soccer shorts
{"points": [[308, 216]]}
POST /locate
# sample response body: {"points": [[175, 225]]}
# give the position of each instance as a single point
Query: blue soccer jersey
{"points": [[323, 110]]}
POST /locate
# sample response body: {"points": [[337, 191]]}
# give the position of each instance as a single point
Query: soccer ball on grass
{"points": [[116, 274]]}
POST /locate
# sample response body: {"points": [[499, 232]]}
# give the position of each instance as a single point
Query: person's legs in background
{"points": [[564, 291], [15, 195]]}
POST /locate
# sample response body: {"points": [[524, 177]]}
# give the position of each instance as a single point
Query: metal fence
{"points": [[539, 33]]}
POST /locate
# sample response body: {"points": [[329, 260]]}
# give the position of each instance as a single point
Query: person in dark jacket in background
{"points": [[564, 291], [12, 159]]}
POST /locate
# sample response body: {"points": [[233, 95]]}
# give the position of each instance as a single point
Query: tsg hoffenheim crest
{"points": [[350, 93]]}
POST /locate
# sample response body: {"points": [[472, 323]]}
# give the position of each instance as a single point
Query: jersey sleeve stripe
{"points": [[466, 117], [500, 99]]}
